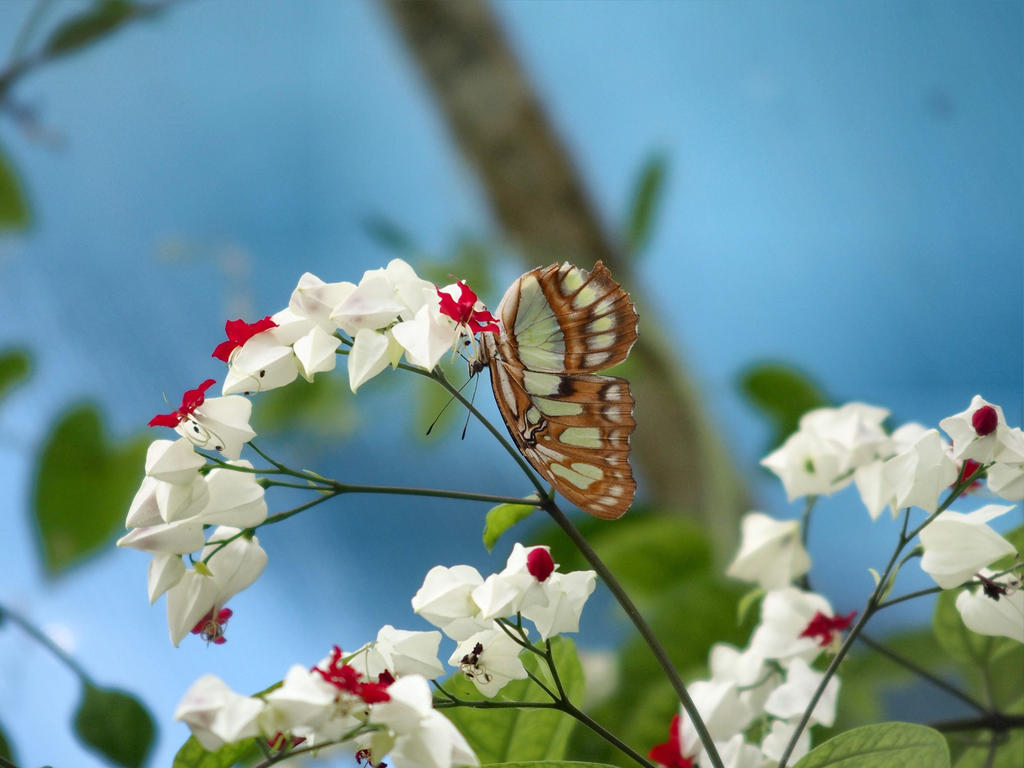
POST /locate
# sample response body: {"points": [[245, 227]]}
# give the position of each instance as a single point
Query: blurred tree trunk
{"points": [[539, 199]]}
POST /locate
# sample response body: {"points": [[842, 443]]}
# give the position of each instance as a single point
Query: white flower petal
{"points": [[216, 715], [177, 538], [165, 570], [235, 498], [367, 358], [956, 546], [987, 616], [220, 424], [262, 363], [316, 352], [771, 553], [173, 461]]}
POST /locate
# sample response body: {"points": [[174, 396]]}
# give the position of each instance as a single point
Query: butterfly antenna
{"points": [[476, 385], [445, 408]]}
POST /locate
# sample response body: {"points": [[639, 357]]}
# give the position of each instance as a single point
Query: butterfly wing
{"points": [[559, 325]]}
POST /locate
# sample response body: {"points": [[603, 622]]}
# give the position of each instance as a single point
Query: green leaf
{"points": [[782, 394], [646, 198], [6, 750], [747, 602], [100, 20], [15, 367], [389, 234], [1005, 753], [14, 210], [502, 517], [83, 486], [504, 735], [953, 635], [886, 745], [193, 755], [115, 724]]}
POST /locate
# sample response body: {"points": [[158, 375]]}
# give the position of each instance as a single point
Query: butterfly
{"points": [[559, 325]]}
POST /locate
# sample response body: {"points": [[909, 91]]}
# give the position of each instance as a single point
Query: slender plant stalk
{"points": [[40, 637], [922, 672]]}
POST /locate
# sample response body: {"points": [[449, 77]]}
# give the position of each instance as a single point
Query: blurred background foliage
{"points": [[501, 165]]}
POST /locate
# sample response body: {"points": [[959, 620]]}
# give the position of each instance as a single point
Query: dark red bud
{"points": [[984, 420], [539, 563]]}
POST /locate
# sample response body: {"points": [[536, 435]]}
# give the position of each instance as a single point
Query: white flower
{"points": [[747, 669], [490, 659], [400, 652], [975, 441], [427, 337], [217, 715], [565, 595], [303, 704], [234, 567], [504, 594], [791, 698], [915, 477], [771, 553], [221, 424], [370, 354], [830, 443], [177, 538], [785, 614], [382, 297], [423, 737], [1006, 476], [723, 713], [315, 300], [315, 352], [774, 744], [446, 600], [262, 363], [144, 511], [956, 545], [737, 753], [173, 461], [165, 570], [1002, 616], [235, 498]]}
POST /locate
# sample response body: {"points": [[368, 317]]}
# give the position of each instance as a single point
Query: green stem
{"points": [[40, 637], [5, 763], [641, 625], [910, 596]]}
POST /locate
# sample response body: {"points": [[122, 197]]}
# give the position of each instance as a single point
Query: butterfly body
{"points": [[559, 326]]}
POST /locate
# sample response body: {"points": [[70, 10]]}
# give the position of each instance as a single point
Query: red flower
{"points": [[823, 627], [670, 754], [345, 678], [212, 627], [539, 563], [970, 466], [189, 402], [239, 332], [463, 311], [985, 420]]}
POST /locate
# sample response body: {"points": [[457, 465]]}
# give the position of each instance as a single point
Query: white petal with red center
{"points": [[967, 443], [220, 424], [262, 363], [988, 616], [427, 337], [188, 601]]}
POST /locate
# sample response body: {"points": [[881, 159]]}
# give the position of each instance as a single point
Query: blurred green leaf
{"points": [[192, 755], [958, 641], [115, 724], [15, 367], [747, 603], [782, 394], [647, 192], [501, 735], [83, 487], [1006, 751], [6, 751], [14, 210], [101, 19], [503, 517], [886, 745], [323, 408], [387, 233]]}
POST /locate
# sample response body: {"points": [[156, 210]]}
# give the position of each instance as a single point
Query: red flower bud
{"points": [[985, 420], [539, 563]]}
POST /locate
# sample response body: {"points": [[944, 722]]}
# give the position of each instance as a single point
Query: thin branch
{"points": [[43, 639], [993, 721], [922, 673]]}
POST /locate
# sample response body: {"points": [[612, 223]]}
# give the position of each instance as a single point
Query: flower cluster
{"points": [[764, 688], [390, 312], [169, 518], [464, 605], [338, 702]]}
